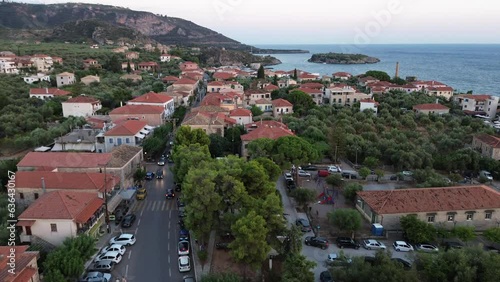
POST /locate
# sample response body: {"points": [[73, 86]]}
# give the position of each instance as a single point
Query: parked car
{"points": [[159, 174], [115, 257], [334, 169], [184, 264], [406, 264], [319, 242], [180, 203], [114, 248], [128, 220], [325, 276], [492, 249], [303, 173], [96, 276], [428, 248], [346, 242], [335, 259], [309, 167], [407, 173], [486, 174], [170, 194], [149, 175], [303, 224], [183, 248], [123, 239], [183, 234], [452, 245], [177, 187], [141, 193], [349, 174], [371, 244], [188, 278], [323, 173], [402, 246], [222, 246], [290, 184], [103, 265], [288, 176]]}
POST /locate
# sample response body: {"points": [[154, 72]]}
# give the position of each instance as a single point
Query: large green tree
{"points": [[301, 101], [188, 157], [298, 268], [303, 197], [417, 231], [290, 150], [186, 136], [348, 220]]}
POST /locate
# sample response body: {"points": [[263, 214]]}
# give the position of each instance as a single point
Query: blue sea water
{"points": [[464, 67]]}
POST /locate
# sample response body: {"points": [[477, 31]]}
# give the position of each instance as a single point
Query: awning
{"points": [[25, 222], [127, 194], [145, 132], [139, 135], [149, 127], [42, 149]]}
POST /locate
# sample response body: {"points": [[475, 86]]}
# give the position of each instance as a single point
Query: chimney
{"points": [[121, 103], [397, 70], [43, 185], [437, 101]]}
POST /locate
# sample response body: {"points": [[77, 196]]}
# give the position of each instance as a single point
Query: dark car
{"points": [[290, 184], [406, 264], [170, 194], [370, 260], [188, 278], [346, 242], [180, 203], [162, 160], [183, 234], [150, 175], [128, 220], [159, 174], [319, 242], [222, 246], [177, 187], [309, 167], [452, 245], [325, 276], [303, 224]]}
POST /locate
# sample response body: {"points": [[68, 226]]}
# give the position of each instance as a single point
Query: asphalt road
{"points": [[154, 256]]}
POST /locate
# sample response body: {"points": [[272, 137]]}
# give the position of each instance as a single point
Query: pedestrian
{"points": [[317, 213]]}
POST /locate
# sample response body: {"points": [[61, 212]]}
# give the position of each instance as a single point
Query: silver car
{"points": [[96, 276], [371, 244], [428, 248]]}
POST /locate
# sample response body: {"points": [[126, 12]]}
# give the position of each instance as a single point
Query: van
{"points": [[349, 174], [486, 174]]}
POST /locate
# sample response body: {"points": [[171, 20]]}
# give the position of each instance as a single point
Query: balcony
{"points": [[92, 222]]}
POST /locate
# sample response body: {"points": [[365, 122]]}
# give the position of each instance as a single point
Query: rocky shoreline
{"points": [[342, 59]]}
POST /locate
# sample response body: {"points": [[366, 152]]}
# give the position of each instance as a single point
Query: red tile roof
{"points": [[65, 180], [184, 81], [137, 110], [152, 97], [491, 140], [83, 99], [23, 272], [170, 78], [446, 88], [281, 103], [313, 85], [240, 112], [268, 123], [269, 132], [476, 97], [263, 101], [310, 90], [432, 106], [64, 160], [49, 91], [342, 74], [224, 75], [460, 198], [77, 206], [150, 64], [215, 83], [307, 75], [127, 128], [271, 87]]}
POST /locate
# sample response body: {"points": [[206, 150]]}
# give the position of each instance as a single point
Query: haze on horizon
{"points": [[333, 22]]}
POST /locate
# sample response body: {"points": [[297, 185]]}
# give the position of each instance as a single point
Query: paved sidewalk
{"points": [[199, 268]]}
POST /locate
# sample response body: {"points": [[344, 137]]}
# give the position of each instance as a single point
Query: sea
{"points": [[464, 67]]}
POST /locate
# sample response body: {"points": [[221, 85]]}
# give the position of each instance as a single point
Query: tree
{"points": [[416, 230], [188, 157], [272, 169], [187, 136], [345, 219], [350, 191], [158, 87], [371, 162], [129, 68], [493, 234], [260, 148], [295, 76], [364, 172], [301, 101], [153, 145], [289, 150], [139, 175], [275, 80], [380, 75], [218, 145], [256, 111], [260, 73], [114, 64], [250, 230], [335, 180], [298, 269], [464, 233], [379, 173], [303, 197], [221, 277]]}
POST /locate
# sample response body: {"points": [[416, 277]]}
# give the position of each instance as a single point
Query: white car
{"points": [[184, 264], [112, 256], [402, 246], [371, 244], [288, 176], [334, 169], [114, 248], [183, 248], [303, 173], [429, 248], [123, 239], [407, 173], [97, 276]]}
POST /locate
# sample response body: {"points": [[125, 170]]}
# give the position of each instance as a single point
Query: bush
{"points": [[203, 256], [350, 191]]}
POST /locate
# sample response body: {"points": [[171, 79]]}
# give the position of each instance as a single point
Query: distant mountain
{"points": [[78, 21]]}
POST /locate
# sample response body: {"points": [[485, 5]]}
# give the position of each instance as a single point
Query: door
{"points": [[119, 141]]}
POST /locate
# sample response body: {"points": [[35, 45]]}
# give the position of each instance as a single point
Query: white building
{"points": [[241, 116], [155, 99], [165, 58], [368, 104], [81, 106], [8, 66], [129, 132], [478, 104], [65, 78], [47, 93], [36, 78]]}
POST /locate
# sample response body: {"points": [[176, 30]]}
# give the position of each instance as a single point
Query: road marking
{"points": [[163, 206], [168, 235], [139, 222], [154, 205], [142, 211], [170, 272], [149, 204], [126, 270], [169, 225], [168, 247], [170, 214], [169, 259], [135, 232], [129, 253]]}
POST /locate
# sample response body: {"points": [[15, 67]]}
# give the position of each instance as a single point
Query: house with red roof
{"points": [[477, 104], [65, 78], [281, 107], [341, 75], [269, 123], [184, 84], [31, 184], [365, 80], [271, 87], [81, 106], [265, 105], [218, 86], [152, 115], [316, 94], [26, 265], [42, 62], [344, 95], [432, 108], [186, 66], [368, 104], [487, 145], [128, 132], [241, 116], [253, 95], [47, 93], [148, 66], [61, 214], [224, 75], [446, 92], [170, 79], [156, 99], [228, 101], [476, 206], [263, 131], [286, 82], [209, 122], [307, 77], [91, 63], [193, 75]]}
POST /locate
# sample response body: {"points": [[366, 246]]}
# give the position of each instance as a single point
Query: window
{"points": [[127, 140], [470, 216], [21, 196], [451, 217], [53, 227], [430, 218], [28, 230], [110, 140], [487, 215], [36, 196]]}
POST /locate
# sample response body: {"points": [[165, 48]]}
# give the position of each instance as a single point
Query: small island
{"points": [[342, 59]]}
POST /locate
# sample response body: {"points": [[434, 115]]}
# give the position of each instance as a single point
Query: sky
{"points": [[333, 22]]}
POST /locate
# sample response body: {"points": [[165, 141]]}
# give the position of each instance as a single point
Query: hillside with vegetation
{"points": [[342, 59]]}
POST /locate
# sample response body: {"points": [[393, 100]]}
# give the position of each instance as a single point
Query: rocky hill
{"points": [[77, 21], [342, 59]]}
